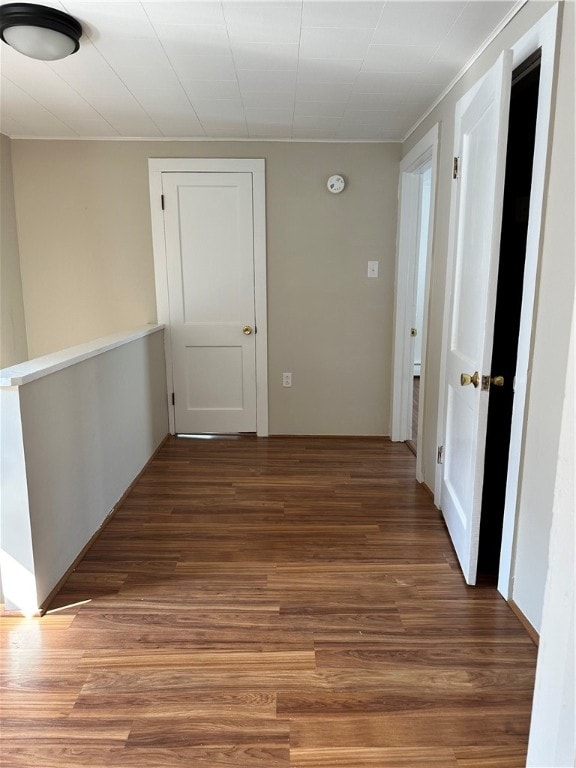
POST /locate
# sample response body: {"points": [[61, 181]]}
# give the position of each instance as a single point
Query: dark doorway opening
{"points": [[517, 186]]}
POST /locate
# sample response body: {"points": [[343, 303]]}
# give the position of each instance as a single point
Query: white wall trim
{"points": [[423, 155], [158, 166], [207, 139]]}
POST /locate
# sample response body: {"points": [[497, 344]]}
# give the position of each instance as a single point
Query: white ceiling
{"points": [[311, 69]]}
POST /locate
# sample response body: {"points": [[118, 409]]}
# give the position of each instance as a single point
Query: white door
{"points": [[209, 231], [481, 127]]}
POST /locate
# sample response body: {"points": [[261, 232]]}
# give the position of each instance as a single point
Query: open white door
{"points": [[481, 127]]}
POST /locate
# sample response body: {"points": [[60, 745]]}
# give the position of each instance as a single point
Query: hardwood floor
{"points": [[271, 603]]}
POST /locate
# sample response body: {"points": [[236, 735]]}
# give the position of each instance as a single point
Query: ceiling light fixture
{"points": [[39, 32]]}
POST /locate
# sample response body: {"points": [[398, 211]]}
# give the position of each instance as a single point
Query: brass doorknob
{"points": [[497, 381], [466, 378], [247, 330]]}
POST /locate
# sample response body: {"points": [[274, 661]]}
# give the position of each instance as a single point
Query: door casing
{"points": [[423, 155], [158, 166]]}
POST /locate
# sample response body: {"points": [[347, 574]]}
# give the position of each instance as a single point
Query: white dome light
{"points": [[39, 32]]}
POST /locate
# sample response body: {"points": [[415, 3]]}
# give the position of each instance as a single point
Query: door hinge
{"points": [[162, 201], [440, 455], [455, 168], [173, 399]]}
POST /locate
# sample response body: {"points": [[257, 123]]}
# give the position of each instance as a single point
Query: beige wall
{"points": [[554, 299], [552, 733], [13, 347], [87, 267]]}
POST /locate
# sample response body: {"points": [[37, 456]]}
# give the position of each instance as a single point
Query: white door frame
{"points": [[541, 35], [158, 166], [420, 157]]}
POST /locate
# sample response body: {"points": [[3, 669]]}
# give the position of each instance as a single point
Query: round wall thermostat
{"points": [[336, 184]]}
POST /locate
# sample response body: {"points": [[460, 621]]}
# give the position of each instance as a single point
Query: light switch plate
{"points": [[372, 269]]}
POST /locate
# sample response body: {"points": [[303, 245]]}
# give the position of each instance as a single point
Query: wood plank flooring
{"points": [[270, 603]]}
